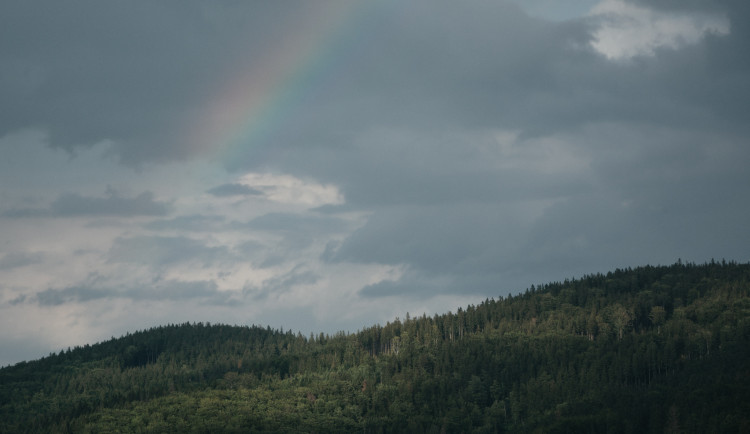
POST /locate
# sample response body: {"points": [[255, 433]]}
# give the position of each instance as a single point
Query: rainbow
{"points": [[253, 104]]}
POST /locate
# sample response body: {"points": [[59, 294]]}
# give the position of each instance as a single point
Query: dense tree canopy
{"points": [[651, 349]]}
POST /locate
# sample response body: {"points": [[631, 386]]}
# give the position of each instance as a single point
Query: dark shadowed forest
{"points": [[647, 350]]}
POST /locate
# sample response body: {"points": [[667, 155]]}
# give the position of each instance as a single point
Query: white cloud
{"points": [[628, 30], [291, 190]]}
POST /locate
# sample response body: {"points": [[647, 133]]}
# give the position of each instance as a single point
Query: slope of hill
{"points": [[651, 349]]}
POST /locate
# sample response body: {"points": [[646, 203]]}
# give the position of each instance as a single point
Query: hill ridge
{"points": [[632, 350]]}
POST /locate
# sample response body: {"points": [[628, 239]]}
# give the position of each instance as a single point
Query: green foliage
{"points": [[651, 349]]}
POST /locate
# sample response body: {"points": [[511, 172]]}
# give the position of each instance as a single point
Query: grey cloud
{"points": [[180, 290], [296, 223], [418, 284], [329, 254], [135, 75], [388, 288], [682, 5], [490, 150], [298, 232], [161, 290], [228, 190], [143, 204], [26, 212], [660, 149], [644, 195], [264, 256], [547, 81], [192, 223], [437, 239], [75, 205], [249, 248], [18, 300], [283, 283], [272, 260], [161, 251], [56, 297], [422, 69], [19, 259], [425, 66], [447, 248], [412, 285]]}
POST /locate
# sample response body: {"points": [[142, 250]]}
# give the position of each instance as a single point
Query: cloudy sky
{"points": [[328, 165]]}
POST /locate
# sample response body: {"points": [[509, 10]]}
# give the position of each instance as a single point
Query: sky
{"points": [[329, 165]]}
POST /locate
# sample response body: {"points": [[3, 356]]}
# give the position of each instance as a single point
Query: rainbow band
{"points": [[257, 100]]}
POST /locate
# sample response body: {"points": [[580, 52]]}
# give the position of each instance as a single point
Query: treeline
{"points": [[651, 349]]}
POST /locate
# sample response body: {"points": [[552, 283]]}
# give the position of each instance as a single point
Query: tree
{"points": [[621, 318], [657, 316]]}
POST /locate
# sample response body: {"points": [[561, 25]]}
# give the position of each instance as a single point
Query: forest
{"points": [[653, 349]]}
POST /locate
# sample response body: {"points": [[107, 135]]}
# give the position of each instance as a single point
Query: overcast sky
{"points": [[329, 165]]}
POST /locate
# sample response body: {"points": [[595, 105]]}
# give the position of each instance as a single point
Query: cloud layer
{"points": [[328, 165]]}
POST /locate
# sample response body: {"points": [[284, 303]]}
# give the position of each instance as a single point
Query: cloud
{"points": [[65, 61], [286, 188], [411, 284], [190, 223], [293, 222], [627, 30], [174, 290], [283, 283], [228, 190], [75, 205], [446, 248], [353, 160], [56, 297], [560, 213], [556, 10], [283, 237], [18, 259], [682, 5], [157, 251]]}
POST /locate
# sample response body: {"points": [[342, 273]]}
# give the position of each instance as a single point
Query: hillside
{"points": [[651, 349]]}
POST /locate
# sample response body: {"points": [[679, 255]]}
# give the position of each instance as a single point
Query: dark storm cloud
{"points": [[425, 67], [163, 251], [134, 74], [512, 72], [138, 74], [449, 248], [647, 195], [657, 147], [75, 205], [478, 149], [228, 190], [485, 144]]}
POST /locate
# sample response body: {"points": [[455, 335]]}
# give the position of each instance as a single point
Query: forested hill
{"points": [[651, 349]]}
